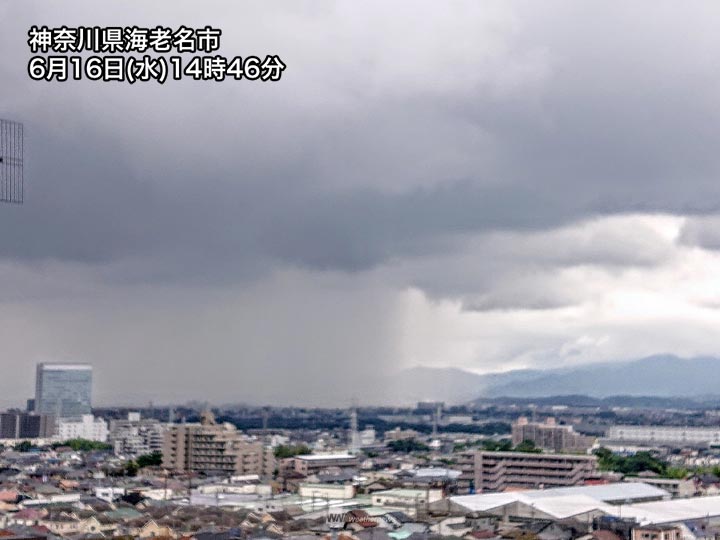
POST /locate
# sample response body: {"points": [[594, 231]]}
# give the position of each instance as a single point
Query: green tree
{"points": [[25, 446], [131, 468], [290, 450], [83, 445], [154, 459], [407, 445], [678, 473], [527, 446], [503, 445], [633, 464]]}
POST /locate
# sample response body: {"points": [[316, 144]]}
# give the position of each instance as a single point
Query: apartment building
{"points": [[86, 426], [135, 436], [214, 448], [465, 463], [550, 436], [500, 471]]}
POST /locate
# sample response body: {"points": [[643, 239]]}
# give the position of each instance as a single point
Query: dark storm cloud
{"points": [[477, 151], [599, 127]]}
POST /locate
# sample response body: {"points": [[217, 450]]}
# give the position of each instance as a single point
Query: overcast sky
{"points": [[482, 185]]}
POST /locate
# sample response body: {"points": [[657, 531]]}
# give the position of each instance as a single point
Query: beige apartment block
{"points": [[215, 448], [500, 471], [550, 436]]}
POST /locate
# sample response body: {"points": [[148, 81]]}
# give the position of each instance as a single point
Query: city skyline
{"points": [[341, 270]]}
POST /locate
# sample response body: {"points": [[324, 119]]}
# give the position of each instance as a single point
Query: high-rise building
{"points": [[550, 436], [63, 390], [215, 448]]}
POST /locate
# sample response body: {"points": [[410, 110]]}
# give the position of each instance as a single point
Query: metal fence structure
{"points": [[11, 162]]}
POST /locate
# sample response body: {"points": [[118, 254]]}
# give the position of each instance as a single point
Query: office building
{"points": [[499, 471], [22, 425], [550, 436], [63, 390], [214, 448]]}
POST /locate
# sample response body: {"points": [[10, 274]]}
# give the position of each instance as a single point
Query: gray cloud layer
{"points": [[408, 145]]}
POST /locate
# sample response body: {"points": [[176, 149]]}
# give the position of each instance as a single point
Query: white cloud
{"points": [[599, 307]]}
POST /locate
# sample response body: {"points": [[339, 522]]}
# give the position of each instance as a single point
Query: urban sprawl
{"points": [[520, 469]]}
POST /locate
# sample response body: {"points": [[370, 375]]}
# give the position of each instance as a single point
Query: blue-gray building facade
{"points": [[63, 390]]}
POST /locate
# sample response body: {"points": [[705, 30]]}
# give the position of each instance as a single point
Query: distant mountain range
{"points": [[666, 376], [635, 402]]}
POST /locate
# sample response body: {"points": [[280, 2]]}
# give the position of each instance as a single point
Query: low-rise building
{"points": [[583, 503], [677, 487], [314, 463], [673, 436], [326, 491], [408, 500], [656, 532], [398, 434]]}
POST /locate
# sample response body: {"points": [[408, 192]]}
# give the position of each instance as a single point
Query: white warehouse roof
{"points": [[674, 510], [625, 492], [318, 457], [485, 501], [620, 491], [568, 506], [557, 507]]}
